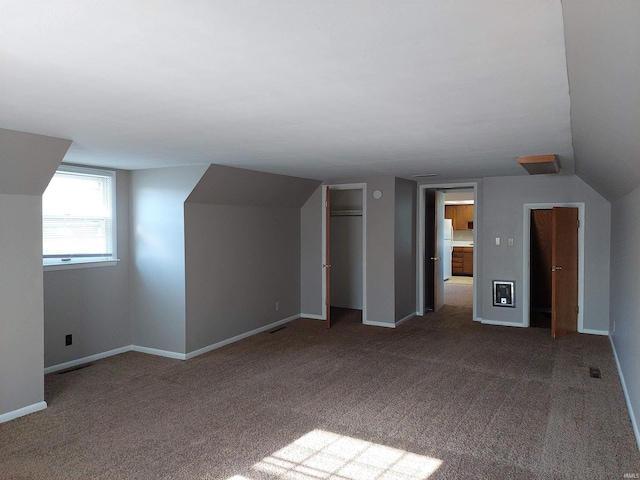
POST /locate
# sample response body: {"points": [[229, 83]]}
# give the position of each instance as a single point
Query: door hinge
{"points": [[577, 308], [326, 204], [578, 223]]}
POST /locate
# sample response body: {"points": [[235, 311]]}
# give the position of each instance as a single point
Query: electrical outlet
{"points": [[68, 340], [277, 306]]}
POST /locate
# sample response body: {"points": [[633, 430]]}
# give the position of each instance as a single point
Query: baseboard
{"points": [[21, 412], [312, 316], [222, 343], [90, 358], [634, 424], [500, 323], [158, 352], [408, 317], [595, 332], [379, 324]]}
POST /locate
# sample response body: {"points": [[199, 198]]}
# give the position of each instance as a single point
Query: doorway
{"points": [[459, 214], [553, 269], [345, 251], [431, 247]]}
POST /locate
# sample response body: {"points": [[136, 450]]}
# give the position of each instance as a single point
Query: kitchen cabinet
{"points": [[461, 216], [462, 261]]}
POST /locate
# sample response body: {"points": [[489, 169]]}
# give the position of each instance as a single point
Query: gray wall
{"points": [[92, 304], [405, 248], [21, 317], [503, 200], [242, 248], [346, 262], [311, 272], [27, 163], [240, 261], [347, 254], [158, 309], [625, 293], [381, 251]]}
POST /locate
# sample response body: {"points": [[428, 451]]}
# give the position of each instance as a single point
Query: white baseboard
{"points": [[379, 324], [159, 353], [636, 431], [500, 323], [208, 348], [21, 412], [595, 332], [312, 316], [408, 317], [90, 358]]}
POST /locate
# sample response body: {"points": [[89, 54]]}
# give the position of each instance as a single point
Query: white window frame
{"points": [[89, 262]]}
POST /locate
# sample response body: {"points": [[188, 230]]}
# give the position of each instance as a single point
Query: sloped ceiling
{"points": [[331, 89], [221, 185], [317, 89], [603, 60], [28, 162]]}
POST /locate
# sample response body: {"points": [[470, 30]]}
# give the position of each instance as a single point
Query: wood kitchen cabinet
{"points": [[462, 261], [461, 216]]}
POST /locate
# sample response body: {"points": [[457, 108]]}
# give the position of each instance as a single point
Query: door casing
{"points": [[420, 309], [345, 186]]}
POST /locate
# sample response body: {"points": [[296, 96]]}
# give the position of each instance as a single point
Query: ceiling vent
{"points": [[540, 164]]}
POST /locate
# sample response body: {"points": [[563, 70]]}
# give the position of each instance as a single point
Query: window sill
{"points": [[72, 265]]}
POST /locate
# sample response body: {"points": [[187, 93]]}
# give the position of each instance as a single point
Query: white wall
{"points": [[502, 205], [92, 304], [158, 309], [625, 295]]}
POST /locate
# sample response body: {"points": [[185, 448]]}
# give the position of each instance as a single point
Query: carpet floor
{"points": [[440, 397]]}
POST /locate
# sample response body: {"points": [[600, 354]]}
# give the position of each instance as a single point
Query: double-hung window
{"points": [[78, 217]]}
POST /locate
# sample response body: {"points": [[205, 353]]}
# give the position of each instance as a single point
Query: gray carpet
{"points": [[458, 294], [439, 397]]}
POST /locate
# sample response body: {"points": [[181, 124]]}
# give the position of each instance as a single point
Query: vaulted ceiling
{"points": [[329, 89]]}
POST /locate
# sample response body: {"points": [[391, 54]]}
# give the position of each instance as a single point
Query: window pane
{"points": [[77, 215]]}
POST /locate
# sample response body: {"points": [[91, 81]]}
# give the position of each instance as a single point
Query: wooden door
{"points": [[327, 264], [438, 265], [564, 281], [434, 250], [429, 248]]}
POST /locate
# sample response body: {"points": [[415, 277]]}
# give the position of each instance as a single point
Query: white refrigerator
{"points": [[448, 247]]}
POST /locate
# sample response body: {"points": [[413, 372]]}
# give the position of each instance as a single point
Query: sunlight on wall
{"points": [[321, 454]]}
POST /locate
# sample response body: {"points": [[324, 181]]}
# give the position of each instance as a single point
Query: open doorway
{"points": [[553, 277], [346, 244], [442, 245], [459, 213]]}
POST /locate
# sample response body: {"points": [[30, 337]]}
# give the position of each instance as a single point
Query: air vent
{"points": [[594, 372], [277, 329], [73, 369]]}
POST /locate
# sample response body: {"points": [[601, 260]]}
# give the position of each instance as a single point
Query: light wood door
{"points": [[327, 264], [564, 277]]}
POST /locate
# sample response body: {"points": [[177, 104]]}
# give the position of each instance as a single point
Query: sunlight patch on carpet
{"points": [[320, 454]]}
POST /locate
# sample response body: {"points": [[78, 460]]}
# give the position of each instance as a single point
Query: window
{"points": [[78, 217]]}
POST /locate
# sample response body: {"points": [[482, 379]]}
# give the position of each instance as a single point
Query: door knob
{"points": [[326, 266], [558, 267], [436, 258]]}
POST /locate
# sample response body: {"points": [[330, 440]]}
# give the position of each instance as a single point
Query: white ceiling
{"points": [[317, 88]]}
